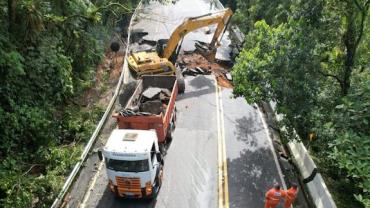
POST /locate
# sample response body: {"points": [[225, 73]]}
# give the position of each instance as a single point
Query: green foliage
{"points": [[48, 55], [249, 12], [266, 71], [313, 62]]}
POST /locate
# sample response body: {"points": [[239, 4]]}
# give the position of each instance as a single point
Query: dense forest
{"points": [[312, 58], [49, 51]]}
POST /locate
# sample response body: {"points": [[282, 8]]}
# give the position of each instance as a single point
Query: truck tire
{"points": [[169, 137], [159, 177], [174, 119], [158, 184], [181, 85], [180, 81]]}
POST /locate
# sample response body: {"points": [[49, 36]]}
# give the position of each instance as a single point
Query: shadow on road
{"points": [[252, 173], [203, 86]]}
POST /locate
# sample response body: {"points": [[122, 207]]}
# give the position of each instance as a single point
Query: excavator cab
{"points": [[161, 45]]}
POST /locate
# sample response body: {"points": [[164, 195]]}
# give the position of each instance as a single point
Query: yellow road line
{"points": [[223, 189], [224, 160]]}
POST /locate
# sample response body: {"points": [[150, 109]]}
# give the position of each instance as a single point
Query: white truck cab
{"points": [[134, 163]]}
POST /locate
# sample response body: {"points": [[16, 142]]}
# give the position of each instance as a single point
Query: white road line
{"points": [[272, 148], [89, 190]]}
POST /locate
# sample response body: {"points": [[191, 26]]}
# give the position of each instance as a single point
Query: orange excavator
{"points": [[162, 60]]}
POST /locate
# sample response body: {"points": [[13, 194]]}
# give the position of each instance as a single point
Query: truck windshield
{"points": [[128, 166]]}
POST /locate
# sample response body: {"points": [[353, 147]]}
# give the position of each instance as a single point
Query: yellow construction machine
{"points": [[162, 60]]}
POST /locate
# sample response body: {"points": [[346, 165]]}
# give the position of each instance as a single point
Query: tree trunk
{"points": [[356, 17], [350, 44], [12, 4]]}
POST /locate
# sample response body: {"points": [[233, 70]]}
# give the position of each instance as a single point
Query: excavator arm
{"points": [[220, 18]]}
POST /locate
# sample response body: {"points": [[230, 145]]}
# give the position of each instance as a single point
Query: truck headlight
{"points": [[148, 188]]}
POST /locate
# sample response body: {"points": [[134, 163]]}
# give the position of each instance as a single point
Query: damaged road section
{"points": [[192, 64], [183, 28]]}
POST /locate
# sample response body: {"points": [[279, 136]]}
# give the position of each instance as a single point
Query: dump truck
{"points": [[134, 152]]}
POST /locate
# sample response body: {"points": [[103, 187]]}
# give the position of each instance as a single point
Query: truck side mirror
{"points": [[159, 156], [100, 155]]}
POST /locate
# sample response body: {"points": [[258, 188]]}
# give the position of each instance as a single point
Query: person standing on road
{"points": [[273, 196], [291, 195]]}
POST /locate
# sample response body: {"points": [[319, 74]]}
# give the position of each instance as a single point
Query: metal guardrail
{"points": [[57, 202]]}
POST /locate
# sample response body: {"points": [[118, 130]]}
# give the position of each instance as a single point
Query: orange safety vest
{"points": [[291, 194], [273, 196]]}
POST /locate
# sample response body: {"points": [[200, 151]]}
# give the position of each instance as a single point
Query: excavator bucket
{"points": [[206, 50]]}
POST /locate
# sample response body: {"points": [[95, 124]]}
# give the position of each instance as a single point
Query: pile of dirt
{"points": [[196, 62], [106, 77]]}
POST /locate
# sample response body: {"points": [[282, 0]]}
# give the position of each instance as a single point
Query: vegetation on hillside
{"points": [[48, 55], [313, 59]]}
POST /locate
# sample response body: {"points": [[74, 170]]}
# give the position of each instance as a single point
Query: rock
{"points": [[153, 107], [152, 92], [200, 70], [229, 77], [167, 92]]}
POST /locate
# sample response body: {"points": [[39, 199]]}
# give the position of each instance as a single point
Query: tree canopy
{"points": [[312, 59], [48, 55]]}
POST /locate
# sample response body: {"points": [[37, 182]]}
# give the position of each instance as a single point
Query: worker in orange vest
{"points": [[273, 196], [291, 195]]}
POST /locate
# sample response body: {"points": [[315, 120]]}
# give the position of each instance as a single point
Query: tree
{"points": [[48, 53], [314, 64]]}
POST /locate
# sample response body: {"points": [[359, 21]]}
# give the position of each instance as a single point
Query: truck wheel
{"points": [[180, 81], [174, 118], [169, 136], [181, 85], [158, 184], [160, 178]]}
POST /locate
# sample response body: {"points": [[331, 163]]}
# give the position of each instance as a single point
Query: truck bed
{"points": [[144, 120]]}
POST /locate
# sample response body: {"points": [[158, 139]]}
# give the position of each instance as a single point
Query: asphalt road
{"points": [[190, 174], [191, 163], [252, 169]]}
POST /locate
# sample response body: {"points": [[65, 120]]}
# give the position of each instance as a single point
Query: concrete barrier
{"points": [[307, 168], [315, 184], [301, 158]]}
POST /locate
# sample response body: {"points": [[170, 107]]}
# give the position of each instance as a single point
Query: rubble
{"points": [[194, 64], [228, 76], [152, 106], [151, 92], [154, 101]]}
